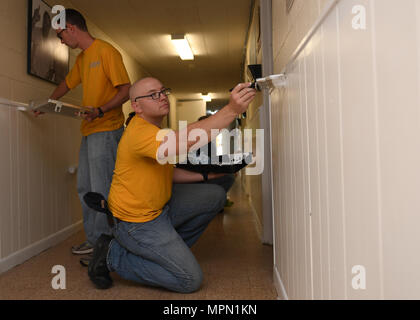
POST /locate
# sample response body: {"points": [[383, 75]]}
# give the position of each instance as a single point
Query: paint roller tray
{"points": [[57, 107]]}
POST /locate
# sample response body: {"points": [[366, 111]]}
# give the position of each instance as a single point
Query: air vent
{"points": [[289, 5]]}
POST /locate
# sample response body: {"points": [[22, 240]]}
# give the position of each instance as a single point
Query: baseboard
{"points": [[281, 291], [32, 250], [257, 222]]}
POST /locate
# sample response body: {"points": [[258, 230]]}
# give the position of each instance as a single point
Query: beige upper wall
{"points": [[190, 111], [15, 83]]}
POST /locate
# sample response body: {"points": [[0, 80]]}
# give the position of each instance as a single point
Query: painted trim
{"points": [[9, 103], [36, 248], [258, 222], [281, 291]]}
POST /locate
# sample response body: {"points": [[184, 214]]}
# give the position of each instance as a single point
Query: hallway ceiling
{"points": [[216, 30]]}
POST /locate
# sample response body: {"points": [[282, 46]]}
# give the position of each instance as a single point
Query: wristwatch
{"points": [[101, 113]]}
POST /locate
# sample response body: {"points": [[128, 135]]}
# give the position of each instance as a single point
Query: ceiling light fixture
{"points": [[206, 97], [182, 46]]}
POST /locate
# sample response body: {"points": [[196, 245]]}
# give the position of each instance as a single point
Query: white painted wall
{"points": [[346, 151]]}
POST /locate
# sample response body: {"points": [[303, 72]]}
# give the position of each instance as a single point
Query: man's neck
{"points": [[86, 41], [155, 121]]}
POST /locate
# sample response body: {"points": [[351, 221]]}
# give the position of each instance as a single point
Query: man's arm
{"points": [[120, 98], [240, 98], [60, 91], [184, 176]]}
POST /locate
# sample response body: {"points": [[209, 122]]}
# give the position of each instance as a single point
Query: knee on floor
{"points": [[192, 283]]}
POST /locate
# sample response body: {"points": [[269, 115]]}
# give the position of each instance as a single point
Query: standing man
{"points": [[100, 69], [160, 210]]}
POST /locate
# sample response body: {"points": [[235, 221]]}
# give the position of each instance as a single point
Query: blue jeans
{"points": [[225, 181], [97, 157], [157, 253]]}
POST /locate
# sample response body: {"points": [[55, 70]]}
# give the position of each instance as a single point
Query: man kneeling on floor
{"points": [[159, 211]]}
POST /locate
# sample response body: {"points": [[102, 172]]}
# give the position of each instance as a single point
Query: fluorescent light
{"points": [[206, 97], [182, 47]]}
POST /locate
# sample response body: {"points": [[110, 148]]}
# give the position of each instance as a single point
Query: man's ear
{"points": [[70, 28], [136, 107]]}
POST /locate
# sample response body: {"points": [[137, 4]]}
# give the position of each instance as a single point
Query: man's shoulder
{"points": [[138, 123], [140, 129], [104, 46]]}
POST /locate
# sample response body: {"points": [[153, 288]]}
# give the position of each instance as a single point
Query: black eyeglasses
{"points": [[156, 95], [59, 34]]}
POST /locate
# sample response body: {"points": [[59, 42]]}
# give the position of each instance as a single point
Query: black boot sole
{"points": [[103, 280]]}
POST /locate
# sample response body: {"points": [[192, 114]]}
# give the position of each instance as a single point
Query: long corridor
{"points": [[235, 264]]}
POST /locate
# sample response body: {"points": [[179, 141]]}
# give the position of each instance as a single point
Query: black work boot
{"points": [[98, 270], [84, 261]]}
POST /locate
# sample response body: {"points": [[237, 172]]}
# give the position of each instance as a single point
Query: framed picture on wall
{"points": [[48, 58]]}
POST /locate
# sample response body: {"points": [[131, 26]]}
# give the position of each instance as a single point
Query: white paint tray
{"points": [[58, 107]]}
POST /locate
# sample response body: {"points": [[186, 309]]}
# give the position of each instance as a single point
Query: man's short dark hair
{"points": [[75, 18]]}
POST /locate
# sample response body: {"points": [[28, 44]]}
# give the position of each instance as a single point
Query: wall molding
{"points": [[36, 248], [9, 103], [278, 283], [257, 222]]}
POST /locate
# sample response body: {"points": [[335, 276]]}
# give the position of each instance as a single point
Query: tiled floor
{"points": [[234, 262]]}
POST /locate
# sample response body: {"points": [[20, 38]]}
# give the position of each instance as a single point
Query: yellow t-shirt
{"points": [[140, 186], [100, 69]]}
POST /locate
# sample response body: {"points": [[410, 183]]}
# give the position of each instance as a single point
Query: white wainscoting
{"points": [[38, 196], [346, 157]]}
